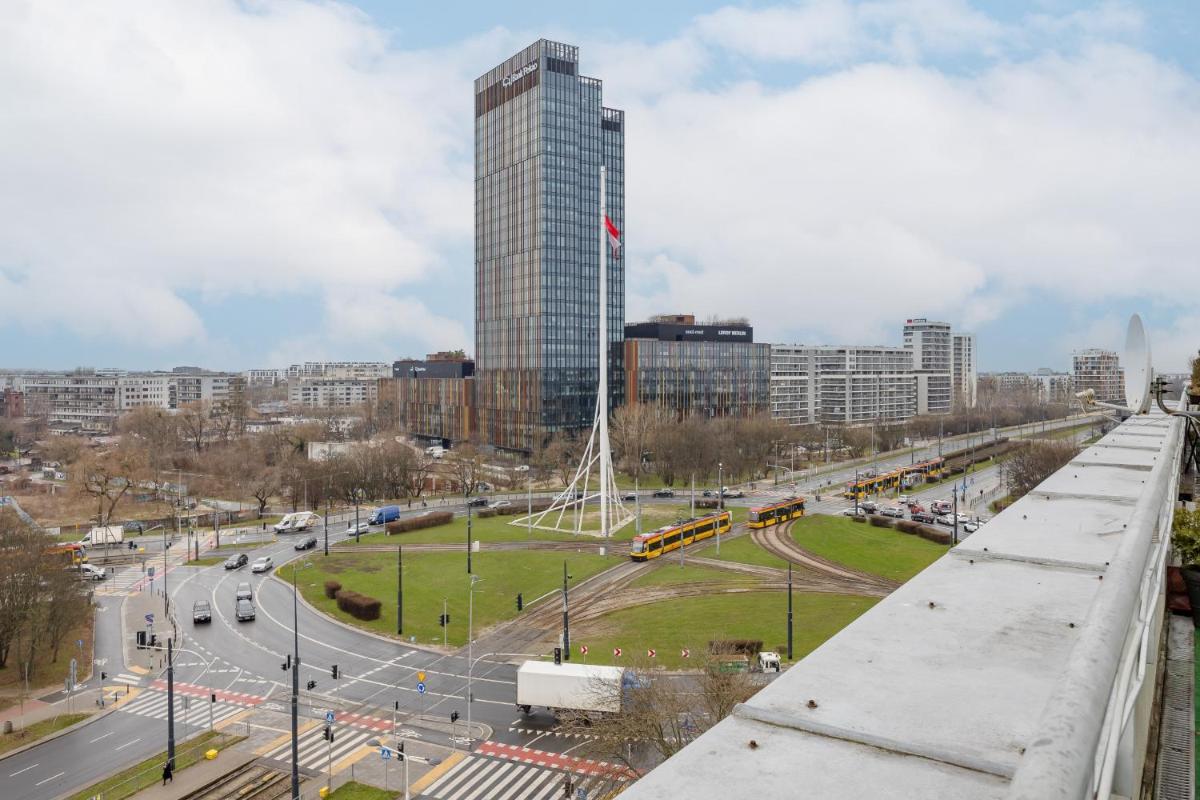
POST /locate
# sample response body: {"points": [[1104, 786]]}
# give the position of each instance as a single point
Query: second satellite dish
{"points": [[1137, 367]]}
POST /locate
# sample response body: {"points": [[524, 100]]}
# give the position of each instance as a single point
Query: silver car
{"points": [[263, 564]]}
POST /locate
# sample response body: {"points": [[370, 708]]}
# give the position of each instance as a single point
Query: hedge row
{"points": [[858, 519], [331, 589], [358, 605], [429, 520], [879, 521], [924, 531], [520, 508]]}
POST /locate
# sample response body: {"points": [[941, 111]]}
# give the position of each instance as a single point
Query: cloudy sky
{"points": [[249, 184]]}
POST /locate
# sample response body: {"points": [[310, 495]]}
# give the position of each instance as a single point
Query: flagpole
{"points": [[602, 391]]}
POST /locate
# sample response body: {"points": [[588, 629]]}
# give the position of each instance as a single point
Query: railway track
{"points": [[250, 782], [447, 547], [778, 541]]}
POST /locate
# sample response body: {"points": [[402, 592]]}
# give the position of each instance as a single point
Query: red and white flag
{"points": [[614, 236]]}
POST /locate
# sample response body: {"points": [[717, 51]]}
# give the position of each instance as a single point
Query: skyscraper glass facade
{"points": [[541, 136]]}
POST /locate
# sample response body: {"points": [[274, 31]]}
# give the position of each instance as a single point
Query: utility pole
{"points": [[470, 649], [720, 500], [566, 618], [856, 493], [954, 488], [356, 523], [399, 590], [326, 527], [295, 690], [166, 596], [789, 639], [170, 704], [467, 500]]}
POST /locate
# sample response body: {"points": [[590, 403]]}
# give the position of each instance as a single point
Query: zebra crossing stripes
{"points": [[127, 679], [315, 753], [484, 778], [154, 705]]}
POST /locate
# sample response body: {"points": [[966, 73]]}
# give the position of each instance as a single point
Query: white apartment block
{"points": [[142, 391], [964, 375], [1099, 370], [216, 389], [264, 377], [793, 384], [931, 345], [339, 369], [332, 392], [1043, 386]]}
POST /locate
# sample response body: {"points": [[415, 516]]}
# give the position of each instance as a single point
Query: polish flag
{"points": [[614, 236]]}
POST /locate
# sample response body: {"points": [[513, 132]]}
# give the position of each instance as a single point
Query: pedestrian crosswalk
{"points": [[154, 705], [484, 778], [127, 679], [316, 753]]}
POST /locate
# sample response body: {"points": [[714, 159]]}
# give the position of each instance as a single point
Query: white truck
{"points": [[294, 523], [104, 536], [569, 687]]}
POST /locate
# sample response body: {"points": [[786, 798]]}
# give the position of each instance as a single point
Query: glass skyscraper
{"points": [[541, 135]]}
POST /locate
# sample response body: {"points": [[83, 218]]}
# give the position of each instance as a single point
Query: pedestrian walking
{"points": [[168, 774]]}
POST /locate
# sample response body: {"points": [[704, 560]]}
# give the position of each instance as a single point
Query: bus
{"points": [[785, 509], [72, 553], [671, 537]]}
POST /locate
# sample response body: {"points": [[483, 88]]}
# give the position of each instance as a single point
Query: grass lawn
{"points": [[11, 741], [743, 550], [501, 529], [360, 791], [208, 561], [692, 622], [881, 551], [430, 577], [129, 782], [670, 574]]}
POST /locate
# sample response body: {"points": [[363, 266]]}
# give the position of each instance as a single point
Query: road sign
{"points": [[74, 666], [583, 649], [420, 677], [149, 619], [328, 717], [151, 571], [79, 643], [420, 688], [651, 653], [616, 652], [385, 754], [685, 652]]}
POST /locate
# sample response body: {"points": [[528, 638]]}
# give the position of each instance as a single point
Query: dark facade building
{"points": [[712, 370], [541, 135], [435, 398], [12, 403]]}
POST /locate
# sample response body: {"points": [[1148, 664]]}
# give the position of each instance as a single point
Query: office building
{"points": [[710, 370], [932, 359], [1100, 371], [541, 135], [436, 398], [964, 376], [793, 384]]}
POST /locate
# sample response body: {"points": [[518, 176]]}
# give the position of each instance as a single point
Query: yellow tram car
{"points": [[671, 537], [764, 516], [903, 478]]}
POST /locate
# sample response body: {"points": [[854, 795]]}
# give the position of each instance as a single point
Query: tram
{"points": [[764, 516], [672, 537]]}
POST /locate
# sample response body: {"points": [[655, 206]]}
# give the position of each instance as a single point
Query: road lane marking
{"points": [[18, 772], [122, 747], [52, 777], [98, 738]]}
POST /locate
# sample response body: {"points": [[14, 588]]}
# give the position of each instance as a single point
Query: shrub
{"points": [[429, 520], [518, 507], [908, 526], [749, 647], [879, 522], [934, 535], [484, 513], [707, 503], [331, 589], [358, 605], [859, 519]]}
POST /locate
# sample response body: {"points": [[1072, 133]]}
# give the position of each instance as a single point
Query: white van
{"points": [[294, 523]]}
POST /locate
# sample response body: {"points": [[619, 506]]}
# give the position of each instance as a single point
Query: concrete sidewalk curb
{"points": [[63, 732]]}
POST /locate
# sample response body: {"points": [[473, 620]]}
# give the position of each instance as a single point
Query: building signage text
{"points": [[509, 80]]}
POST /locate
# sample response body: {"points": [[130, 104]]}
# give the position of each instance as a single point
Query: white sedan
{"points": [[363, 527], [853, 512], [262, 564]]}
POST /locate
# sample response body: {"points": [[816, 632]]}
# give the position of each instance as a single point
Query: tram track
{"points": [[778, 541]]}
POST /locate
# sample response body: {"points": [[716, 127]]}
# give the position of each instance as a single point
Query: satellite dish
{"points": [[1137, 367]]}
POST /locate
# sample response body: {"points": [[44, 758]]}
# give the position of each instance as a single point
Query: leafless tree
{"points": [[633, 428], [22, 563], [1035, 462], [465, 464], [108, 477], [195, 424]]}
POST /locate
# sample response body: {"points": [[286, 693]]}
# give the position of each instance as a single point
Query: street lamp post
{"points": [[467, 500], [356, 523], [296, 688], [170, 703], [470, 646], [720, 500], [399, 590], [566, 617], [789, 639]]}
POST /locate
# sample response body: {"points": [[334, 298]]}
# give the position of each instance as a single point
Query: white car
{"points": [[970, 527], [963, 519], [945, 519], [853, 512], [893, 511], [262, 564], [363, 527], [521, 468], [500, 504]]}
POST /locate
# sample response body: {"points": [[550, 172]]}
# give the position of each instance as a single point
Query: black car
{"points": [[664, 493], [708, 493], [244, 610], [477, 502], [201, 612], [922, 516], [237, 561], [629, 496], [307, 544]]}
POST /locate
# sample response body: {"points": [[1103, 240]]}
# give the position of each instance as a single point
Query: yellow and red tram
{"points": [[764, 516], [671, 537]]}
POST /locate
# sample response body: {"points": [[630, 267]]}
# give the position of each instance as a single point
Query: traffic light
{"points": [[400, 748], [334, 672], [141, 640], [520, 602], [453, 717], [312, 685], [558, 655], [443, 620], [212, 698], [328, 733], [103, 676]]}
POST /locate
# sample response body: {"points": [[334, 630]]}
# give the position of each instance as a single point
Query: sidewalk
{"points": [[197, 776]]}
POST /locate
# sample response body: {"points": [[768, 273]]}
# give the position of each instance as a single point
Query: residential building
{"points": [[221, 390], [710, 370], [1100, 371], [83, 403], [436, 398], [264, 377], [932, 361], [141, 390], [860, 385], [542, 134], [793, 384], [12, 403], [1042, 386], [339, 369], [963, 370], [332, 392]]}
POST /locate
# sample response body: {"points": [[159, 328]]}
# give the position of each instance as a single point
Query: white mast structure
{"points": [[613, 514]]}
